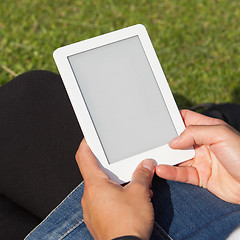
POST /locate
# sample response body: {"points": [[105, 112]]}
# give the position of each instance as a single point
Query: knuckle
{"points": [[189, 130], [145, 172], [220, 122], [88, 186], [91, 189], [77, 154], [186, 111]]}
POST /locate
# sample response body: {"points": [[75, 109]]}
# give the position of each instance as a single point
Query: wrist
{"points": [[128, 237], [125, 235], [122, 232]]}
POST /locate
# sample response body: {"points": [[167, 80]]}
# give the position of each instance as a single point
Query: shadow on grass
{"points": [[183, 102], [236, 95]]}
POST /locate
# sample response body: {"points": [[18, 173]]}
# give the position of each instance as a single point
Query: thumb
{"points": [[88, 164], [144, 173]]}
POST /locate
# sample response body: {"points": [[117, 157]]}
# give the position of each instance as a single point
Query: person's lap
{"points": [[40, 136], [182, 211]]}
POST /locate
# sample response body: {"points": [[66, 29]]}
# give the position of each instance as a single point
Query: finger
{"points": [[144, 173], [181, 174], [193, 118], [200, 135], [88, 163], [187, 163]]}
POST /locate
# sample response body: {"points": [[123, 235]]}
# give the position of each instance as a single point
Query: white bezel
{"points": [[120, 171]]}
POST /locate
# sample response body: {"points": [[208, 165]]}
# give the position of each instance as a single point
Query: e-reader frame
{"points": [[121, 170]]}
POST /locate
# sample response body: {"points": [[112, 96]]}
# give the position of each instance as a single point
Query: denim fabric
{"points": [[182, 211], [65, 221], [186, 211]]}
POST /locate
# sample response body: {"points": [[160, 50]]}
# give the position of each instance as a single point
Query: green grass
{"points": [[197, 41]]}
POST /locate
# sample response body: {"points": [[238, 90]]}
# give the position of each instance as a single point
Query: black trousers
{"points": [[39, 136]]}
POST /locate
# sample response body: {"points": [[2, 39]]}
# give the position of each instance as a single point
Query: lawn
{"points": [[197, 41]]}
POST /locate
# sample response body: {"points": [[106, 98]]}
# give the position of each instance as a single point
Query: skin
{"points": [[216, 165], [110, 210]]}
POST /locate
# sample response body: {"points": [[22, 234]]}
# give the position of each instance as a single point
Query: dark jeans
{"points": [[39, 136]]}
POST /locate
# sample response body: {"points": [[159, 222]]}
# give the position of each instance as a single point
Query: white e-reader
{"points": [[122, 100]]}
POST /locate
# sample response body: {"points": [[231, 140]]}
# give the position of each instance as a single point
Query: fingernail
{"points": [[174, 141], [149, 164]]}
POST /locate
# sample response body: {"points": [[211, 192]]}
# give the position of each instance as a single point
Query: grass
{"points": [[197, 41]]}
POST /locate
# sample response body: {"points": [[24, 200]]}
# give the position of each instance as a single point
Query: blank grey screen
{"points": [[123, 98]]}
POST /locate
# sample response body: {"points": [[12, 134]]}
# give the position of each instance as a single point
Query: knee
{"points": [[37, 82], [37, 77], [34, 85]]}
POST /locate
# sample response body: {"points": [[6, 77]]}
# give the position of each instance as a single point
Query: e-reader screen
{"points": [[123, 98]]}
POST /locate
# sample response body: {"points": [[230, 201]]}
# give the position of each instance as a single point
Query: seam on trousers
{"points": [[69, 230], [54, 209], [161, 235]]}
